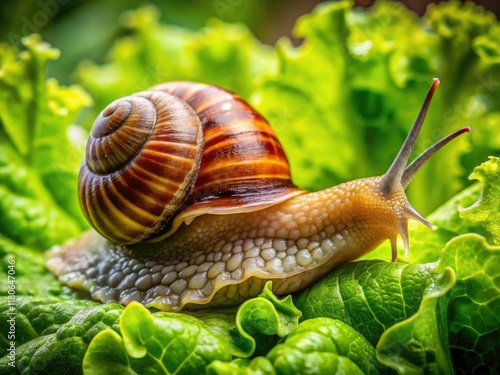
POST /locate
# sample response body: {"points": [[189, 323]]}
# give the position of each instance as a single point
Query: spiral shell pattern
{"points": [[142, 159], [160, 158]]}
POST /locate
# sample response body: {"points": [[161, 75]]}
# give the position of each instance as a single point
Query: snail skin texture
{"points": [[190, 195]]}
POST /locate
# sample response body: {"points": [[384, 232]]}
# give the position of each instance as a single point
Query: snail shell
{"points": [[165, 156]]}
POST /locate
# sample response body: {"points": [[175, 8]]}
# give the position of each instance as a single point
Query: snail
{"points": [[192, 204]]}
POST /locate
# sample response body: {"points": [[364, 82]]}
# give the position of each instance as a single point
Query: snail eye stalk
{"points": [[414, 167], [398, 173]]}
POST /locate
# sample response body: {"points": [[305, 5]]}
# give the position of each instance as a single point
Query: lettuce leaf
{"points": [[351, 88], [324, 345], [239, 366], [40, 316], [457, 323], [223, 54], [31, 277], [259, 319], [474, 304], [486, 210], [419, 345], [52, 335], [164, 343], [153, 345], [38, 161], [316, 346], [464, 316], [369, 296]]}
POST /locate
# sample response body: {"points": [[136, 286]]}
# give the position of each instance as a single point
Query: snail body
{"points": [[232, 218]]}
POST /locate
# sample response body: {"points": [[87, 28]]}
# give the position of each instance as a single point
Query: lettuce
{"points": [[38, 162], [239, 366], [420, 316], [222, 54], [419, 344], [474, 303], [31, 275], [351, 88], [150, 345], [52, 335], [369, 296], [165, 343], [324, 345], [487, 210]]}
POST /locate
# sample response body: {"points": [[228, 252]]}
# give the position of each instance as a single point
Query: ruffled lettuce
{"points": [[366, 87], [52, 335], [38, 160], [486, 210], [167, 343], [419, 344], [221, 54]]}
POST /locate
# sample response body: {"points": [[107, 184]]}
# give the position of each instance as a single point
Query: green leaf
{"points": [[36, 114], [59, 145], [28, 213], [108, 352], [38, 316], [474, 303], [32, 222], [419, 345], [17, 177], [178, 343], [20, 81], [60, 346], [31, 275], [268, 315], [486, 211], [224, 54], [253, 330], [239, 366], [323, 345], [369, 296], [303, 106], [160, 344], [260, 318]]}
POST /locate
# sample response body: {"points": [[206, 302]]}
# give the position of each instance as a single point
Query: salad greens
{"points": [[435, 311], [151, 343], [419, 343], [38, 164], [489, 174], [370, 295], [322, 345], [474, 302]]}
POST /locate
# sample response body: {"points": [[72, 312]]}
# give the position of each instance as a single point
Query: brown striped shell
{"points": [[162, 157]]}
